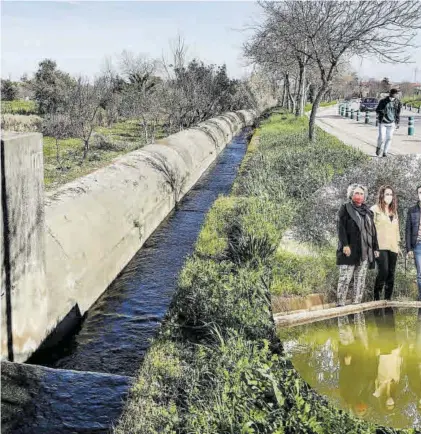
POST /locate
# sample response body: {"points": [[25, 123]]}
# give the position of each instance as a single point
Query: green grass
{"points": [[19, 107], [122, 137], [216, 365], [119, 139], [309, 106], [415, 101], [71, 164]]}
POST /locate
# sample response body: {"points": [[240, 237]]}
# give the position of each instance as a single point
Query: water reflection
{"points": [[368, 363]]}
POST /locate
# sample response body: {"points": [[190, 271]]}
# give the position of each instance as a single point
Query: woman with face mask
{"points": [[358, 246], [387, 227], [413, 237]]}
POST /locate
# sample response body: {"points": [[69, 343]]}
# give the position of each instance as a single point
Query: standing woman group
{"points": [[370, 235]]}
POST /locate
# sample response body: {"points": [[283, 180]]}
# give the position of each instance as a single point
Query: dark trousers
{"points": [[386, 263]]}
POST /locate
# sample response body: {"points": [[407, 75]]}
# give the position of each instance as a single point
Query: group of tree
{"points": [[308, 45], [173, 94]]}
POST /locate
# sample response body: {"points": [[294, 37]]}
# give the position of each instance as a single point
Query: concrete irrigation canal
{"points": [[94, 368]]}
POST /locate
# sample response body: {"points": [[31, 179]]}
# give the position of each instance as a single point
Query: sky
{"points": [[80, 35]]}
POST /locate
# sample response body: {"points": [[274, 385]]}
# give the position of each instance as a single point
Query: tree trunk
{"points": [[290, 100], [295, 96], [299, 110], [85, 147], [306, 91], [283, 94], [316, 103], [57, 152], [311, 93]]}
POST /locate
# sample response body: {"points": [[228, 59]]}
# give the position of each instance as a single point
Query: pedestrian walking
{"points": [[413, 237], [388, 112], [357, 246], [386, 220]]}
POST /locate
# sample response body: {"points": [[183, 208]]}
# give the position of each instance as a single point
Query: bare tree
{"points": [[84, 104], [57, 125], [139, 88], [178, 57], [333, 31]]}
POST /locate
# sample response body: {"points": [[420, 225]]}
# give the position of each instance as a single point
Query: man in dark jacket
{"points": [[388, 112], [413, 237]]}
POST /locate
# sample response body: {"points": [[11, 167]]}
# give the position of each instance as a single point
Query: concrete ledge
{"points": [[288, 305], [318, 315]]}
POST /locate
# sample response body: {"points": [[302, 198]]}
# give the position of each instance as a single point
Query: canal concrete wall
{"points": [[24, 296], [95, 224]]}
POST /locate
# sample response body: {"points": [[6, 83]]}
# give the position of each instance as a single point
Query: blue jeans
{"points": [[417, 256]]}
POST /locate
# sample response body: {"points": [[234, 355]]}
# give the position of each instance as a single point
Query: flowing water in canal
{"points": [[117, 330], [368, 363]]}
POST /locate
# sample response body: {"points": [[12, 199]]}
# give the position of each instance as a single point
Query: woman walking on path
{"points": [[413, 237], [357, 247], [387, 228]]}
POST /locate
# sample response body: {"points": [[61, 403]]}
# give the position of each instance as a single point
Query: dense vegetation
{"points": [[216, 366], [87, 123], [414, 101]]}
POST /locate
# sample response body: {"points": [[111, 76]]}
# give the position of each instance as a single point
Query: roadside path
{"points": [[364, 136]]}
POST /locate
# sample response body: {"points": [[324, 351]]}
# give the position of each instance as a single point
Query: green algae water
{"points": [[368, 363]]}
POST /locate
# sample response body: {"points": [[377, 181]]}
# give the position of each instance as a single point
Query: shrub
{"points": [[216, 294], [21, 123], [212, 240], [295, 274], [242, 395], [247, 248], [107, 143], [163, 373]]}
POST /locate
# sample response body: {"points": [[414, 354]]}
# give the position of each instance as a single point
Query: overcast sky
{"points": [[79, 35]]}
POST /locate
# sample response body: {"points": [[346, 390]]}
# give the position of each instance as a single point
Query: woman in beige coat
{"points": [[388, 236]]}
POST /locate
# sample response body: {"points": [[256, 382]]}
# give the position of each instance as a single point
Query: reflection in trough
{"points": [[368, 363]]}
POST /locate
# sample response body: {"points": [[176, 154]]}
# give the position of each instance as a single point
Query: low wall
{"points": [[96, 224]]}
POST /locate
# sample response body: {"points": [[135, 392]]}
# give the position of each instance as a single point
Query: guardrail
{"points": [[345, 111]]}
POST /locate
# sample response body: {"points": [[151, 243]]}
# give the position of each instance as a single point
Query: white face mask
{"points": [[388, 199], [392, 98], [419, 196]]}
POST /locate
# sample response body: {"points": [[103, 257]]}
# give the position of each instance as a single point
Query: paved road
{"points": [[364, 137]]}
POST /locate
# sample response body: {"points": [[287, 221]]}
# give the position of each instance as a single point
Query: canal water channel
{"points": [[80, 385]]}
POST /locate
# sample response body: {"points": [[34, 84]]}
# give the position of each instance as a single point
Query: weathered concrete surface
{"points": [[96, 224], [364, 137], [321, 314], [23, 291], [41, 400], [289, 305]]}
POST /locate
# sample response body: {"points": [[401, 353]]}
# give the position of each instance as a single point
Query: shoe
{"points": [[378, 151], [384, 155]]}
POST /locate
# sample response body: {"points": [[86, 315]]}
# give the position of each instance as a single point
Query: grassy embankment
{"points": [[309, 106], [69, 165], [216, 365]]}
